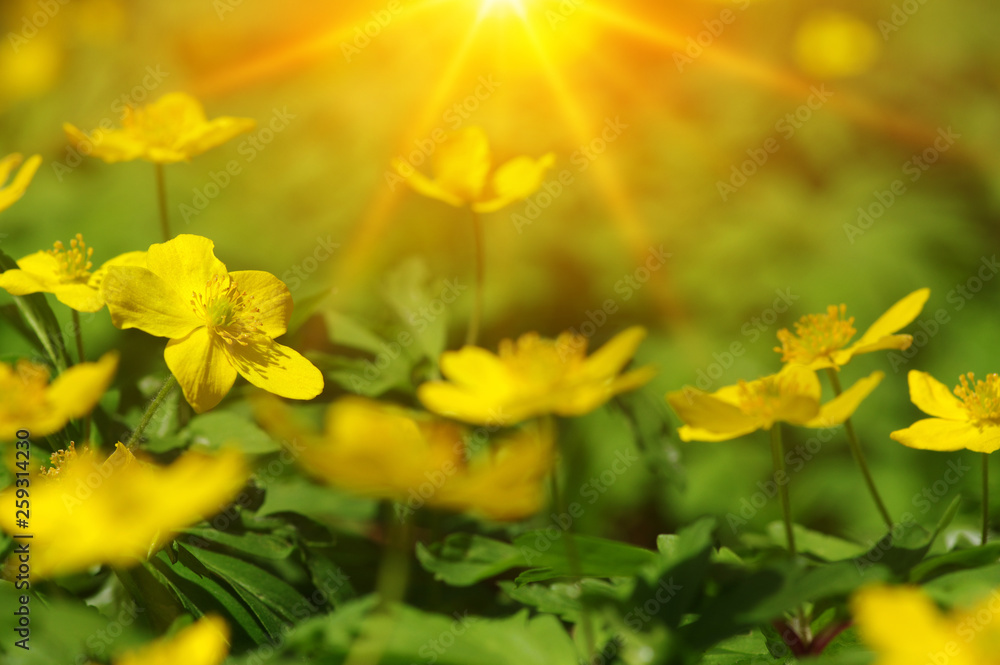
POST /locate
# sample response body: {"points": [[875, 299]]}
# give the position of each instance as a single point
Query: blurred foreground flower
{"points": [[219, 323], [30, 402], [819, 339], [461, 165], [533, 377], [172, 129], [792, 396], [832, 44], [11, 192], [905, 627], [383, 451], [118, 511], [205, 642], [65, 273], [969, 418]]}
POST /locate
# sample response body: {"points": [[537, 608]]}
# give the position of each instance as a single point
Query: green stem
{"points": [[390, 586], [859, 456], [575, 567], [477, 307], [161, 192], [986, 497], [165, 390], [80, 357], [778, 459]]}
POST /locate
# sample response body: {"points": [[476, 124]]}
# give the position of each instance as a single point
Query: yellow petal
{"points": [[201, 364], [449, 400], [215, 133], [903, 626], [688, 433], [473, 366], [516, 180], [135, 259], [204, 642], [109, 145], [276, 368], [707, 412], [898, 342], [461, 163], [76, 391], [841, 407], [186, 263], [137, 298], [270, 295], [898, 316], [81, 297], [424, 185], [939, 434], [15, 190], [933, 397], [8, 164], [616, 353], [38, 272]]}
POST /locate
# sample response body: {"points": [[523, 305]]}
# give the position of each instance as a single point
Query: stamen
{"points": [[980, 398], [816, 335], [227, 311], [74, 263]]}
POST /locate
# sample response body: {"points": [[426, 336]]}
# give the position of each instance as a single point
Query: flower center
{"points": [[981, 399], [816, 335], [74, 263], [766, 397], [227, 311], [543, 362], [60, 459]]}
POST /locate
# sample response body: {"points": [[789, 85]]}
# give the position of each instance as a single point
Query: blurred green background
{"points": [[694, 89]]}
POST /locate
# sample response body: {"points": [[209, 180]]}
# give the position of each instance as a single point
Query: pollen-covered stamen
{"points": [[543, 360], [227, 311], [980, 398], [767, 397], [74, 263], [816, 335]]}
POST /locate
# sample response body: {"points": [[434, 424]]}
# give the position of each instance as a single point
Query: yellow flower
{"points": [[461, 165], [820, 339], [533, 377], [28, 401], [219, 323], [382, 451], [205, 642], [12, 192], [904, 627], [792, 396], [832, 44], [65, 273], [968, 419], [118, 511], [171, 129]]}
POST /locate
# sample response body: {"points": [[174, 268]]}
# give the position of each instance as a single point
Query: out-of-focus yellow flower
{"points": [[205, 642], [28, 401], [383, 451], [968, 419], [118, 511], [171, 129], [820, 339], [219, 323], [533, 377], [903, 626], [460, 167], [65, 273], [792, 396], [832, 44], [11, 192], [29, 68]]}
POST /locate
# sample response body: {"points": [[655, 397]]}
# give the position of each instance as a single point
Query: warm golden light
{"points": [[497, 6]]}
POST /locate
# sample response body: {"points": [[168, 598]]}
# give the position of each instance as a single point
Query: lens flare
{"points": [[497, 6]]}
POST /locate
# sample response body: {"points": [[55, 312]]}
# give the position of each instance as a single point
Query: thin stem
{"points": [[477, 307], [575, 567], [161, 192], [80, 357], [986, 497], [390, 585], [165, 390], [781, 480], [859, 456]]}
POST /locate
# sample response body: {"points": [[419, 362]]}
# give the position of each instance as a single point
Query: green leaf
{"points": [[972, 557], [265, 545], [598, 557], [463, 559], [323, 504], [965, 587], [38, 315], [215, 429], [346, 331], [820, 545], [409, 293]]}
